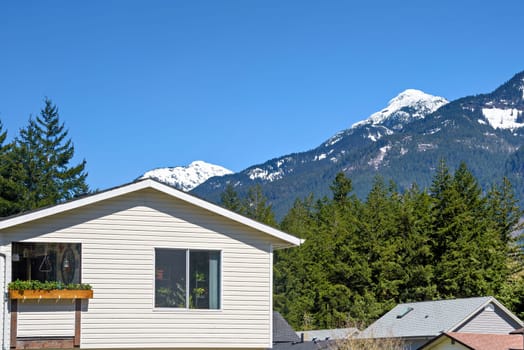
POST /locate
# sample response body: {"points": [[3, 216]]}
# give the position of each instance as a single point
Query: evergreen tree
{"points": [[230, 200], [44, 155], [474, 261], [380, 232], [504, 210], [441, 193], [9, 189], [341, 187], [295, 275], [256, 206], [299, 218], [415, 251]]}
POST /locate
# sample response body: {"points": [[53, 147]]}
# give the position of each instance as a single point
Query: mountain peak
{"points": [[188, 177], [408, 105]]}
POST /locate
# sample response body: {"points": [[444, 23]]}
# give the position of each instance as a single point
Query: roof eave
{"points": [[284, 240]]}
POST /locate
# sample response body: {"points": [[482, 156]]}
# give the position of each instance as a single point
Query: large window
{"points": [[46, 262], [187, 278]]}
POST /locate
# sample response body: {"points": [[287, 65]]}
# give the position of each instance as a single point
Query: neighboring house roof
{"points": [[475, 341], [285, 338], [283, 239], [282, 331], [306, 345], [430, 318], [335, 333]]}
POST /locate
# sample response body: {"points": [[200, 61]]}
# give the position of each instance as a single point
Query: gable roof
{"points": [[282, 331], [283, 239], [475, 341], [429, 318], [285, 338]]}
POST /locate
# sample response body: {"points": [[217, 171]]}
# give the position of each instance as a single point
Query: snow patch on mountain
{"points": [[378, 135], [409, 104], [423, 147], [433, 131], [334, 139], [188, 177], [503, 118], [375, 162], [266, 175], [320, 157]]}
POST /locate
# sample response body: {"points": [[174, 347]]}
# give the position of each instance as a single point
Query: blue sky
{"points": [[146, 84]]}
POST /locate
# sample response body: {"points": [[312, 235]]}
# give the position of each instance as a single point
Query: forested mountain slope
{"points": [[403, 142]]}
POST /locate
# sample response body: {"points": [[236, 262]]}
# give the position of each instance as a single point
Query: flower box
{"points": [[51, 294]]}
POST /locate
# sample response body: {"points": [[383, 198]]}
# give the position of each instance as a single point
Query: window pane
{"points": [[170, 278], [46, 262], [204, 279]]}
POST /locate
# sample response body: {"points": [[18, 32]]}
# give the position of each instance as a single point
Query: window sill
{"points": [[51, 294], [185, 310]]}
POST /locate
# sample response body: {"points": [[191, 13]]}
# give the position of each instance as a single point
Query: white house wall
{"points": [[118, 238], [59, 322]]}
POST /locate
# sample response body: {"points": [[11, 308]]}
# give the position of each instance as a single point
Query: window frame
{"points": [[187, 307], [74, 247]]}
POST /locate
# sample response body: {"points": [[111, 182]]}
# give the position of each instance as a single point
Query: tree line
{"points": [[35, 169], [362, 257]]}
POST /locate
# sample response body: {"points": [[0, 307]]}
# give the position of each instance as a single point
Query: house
{"points": [[418, 323], [167, 270], [285, 338], [334, 333], [472, 341]]}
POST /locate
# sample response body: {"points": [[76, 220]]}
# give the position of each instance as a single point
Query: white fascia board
{"points": [[511, 314], [74, 204], [144, 184]]}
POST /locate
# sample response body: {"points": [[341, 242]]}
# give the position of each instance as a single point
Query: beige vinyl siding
{"points": [[118, 238], [59, 318]]}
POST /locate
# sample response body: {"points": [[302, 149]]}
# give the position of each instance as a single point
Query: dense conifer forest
{"points": [[362, 257]]}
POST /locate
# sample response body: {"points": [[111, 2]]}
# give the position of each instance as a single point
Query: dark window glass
{"points": [[194, 286], [46, 262], [170, 278]]}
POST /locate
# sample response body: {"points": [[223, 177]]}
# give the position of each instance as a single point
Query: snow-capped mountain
{"points": [[408, 105], [403, 142], [188, 177]]}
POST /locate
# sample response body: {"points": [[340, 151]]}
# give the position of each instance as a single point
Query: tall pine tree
{"points": [[43, 154]]}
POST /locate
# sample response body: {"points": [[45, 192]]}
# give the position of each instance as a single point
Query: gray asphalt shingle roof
{"points": [[429, 318], [335, 333], [282, 331]]}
